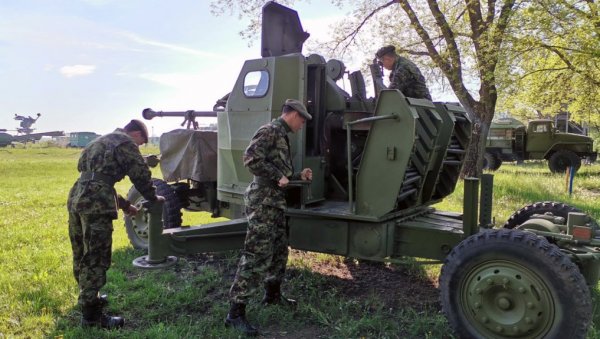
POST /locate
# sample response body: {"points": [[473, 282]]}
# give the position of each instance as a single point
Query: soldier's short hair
{"points": [[137, 125], [385, 50]]}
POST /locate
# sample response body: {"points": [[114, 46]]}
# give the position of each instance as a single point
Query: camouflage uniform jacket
{"points": [[115, 155], [407, 78], [268, 156]]}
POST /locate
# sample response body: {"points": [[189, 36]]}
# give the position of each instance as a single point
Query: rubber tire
{"points": [[491, 161], [560, 160], [557, 208], [171, 212], [532, 256]]}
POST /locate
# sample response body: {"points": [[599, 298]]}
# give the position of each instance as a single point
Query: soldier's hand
{"points": [[283, 182], [306, 174], [160, 198], [131, 210]]}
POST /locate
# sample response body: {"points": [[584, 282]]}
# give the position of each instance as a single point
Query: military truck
{"points": [[510, 140], [379, 166]]}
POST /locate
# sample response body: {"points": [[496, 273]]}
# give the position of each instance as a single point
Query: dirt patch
{"points": [[398, 286], [394, 284]]}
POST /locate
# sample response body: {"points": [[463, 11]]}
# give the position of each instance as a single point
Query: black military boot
{"points": [[236, 318], [103, 301], [92, 316], [273, 296]]}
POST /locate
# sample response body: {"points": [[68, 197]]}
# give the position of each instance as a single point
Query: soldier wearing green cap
{"points": [[92, 206], [265, 253], [405, 75]]}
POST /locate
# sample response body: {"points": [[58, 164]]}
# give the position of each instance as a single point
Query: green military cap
{"points": [[137, 125], [299, 107], [385, 50]]}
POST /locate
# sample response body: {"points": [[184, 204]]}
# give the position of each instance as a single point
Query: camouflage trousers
{"points": [[265, 252], [91, 241]]}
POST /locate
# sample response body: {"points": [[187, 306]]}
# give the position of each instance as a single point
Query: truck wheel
{"points": [[561, 160], [491, 161], [137, 225], [558, 209], [513, 284]]}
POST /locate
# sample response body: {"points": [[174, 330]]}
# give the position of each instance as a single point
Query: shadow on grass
{"points": [[337, 299]]}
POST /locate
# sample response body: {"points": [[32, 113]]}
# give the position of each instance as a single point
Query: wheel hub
{"points": [[505, 299]]}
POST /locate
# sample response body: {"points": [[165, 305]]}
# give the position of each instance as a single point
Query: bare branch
{"points": [[453, 77], [413, 52], [542, 70], [491, 12], [349, 38], [475, 19], [448, 36], [505, 14]]}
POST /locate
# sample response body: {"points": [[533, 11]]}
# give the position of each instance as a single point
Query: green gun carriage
{"points": [[379, 165]]}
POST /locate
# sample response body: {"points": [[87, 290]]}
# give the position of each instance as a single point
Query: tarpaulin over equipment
{"points": [[189, 154]]}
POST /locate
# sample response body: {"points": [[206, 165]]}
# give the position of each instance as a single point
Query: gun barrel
{"points": [[149, 113]]}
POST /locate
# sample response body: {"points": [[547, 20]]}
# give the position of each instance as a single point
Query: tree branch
{"points": [[542, 70], [448, 36], [350, 36], [570, 64], [455, 81]]}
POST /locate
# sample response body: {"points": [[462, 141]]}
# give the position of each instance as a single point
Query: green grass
{"points": [[339, 297]]}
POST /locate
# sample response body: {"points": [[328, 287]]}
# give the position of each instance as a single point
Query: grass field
{"points": [[339, 298]]}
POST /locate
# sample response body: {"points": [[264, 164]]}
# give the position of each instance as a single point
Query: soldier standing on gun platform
{"points": [[405, 75], [92, 206], [265, 253]]}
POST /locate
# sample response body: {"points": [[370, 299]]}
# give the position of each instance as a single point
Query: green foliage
{"points": [[339, 298], [554, 61]]}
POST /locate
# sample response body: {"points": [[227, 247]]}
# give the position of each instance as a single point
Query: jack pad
{"points": [[142, 262]]}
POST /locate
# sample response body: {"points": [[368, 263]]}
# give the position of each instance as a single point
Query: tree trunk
{"points": [[474, 159]]}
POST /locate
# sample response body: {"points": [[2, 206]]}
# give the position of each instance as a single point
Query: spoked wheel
{"points": [[513, 284], [137, 225]]}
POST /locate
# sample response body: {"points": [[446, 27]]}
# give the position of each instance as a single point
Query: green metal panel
{"points": [[455, 153], [369, 240], [386, 155], [443, 141], [431, 147], [429, 236], [319, 235], [247, 109], [539, 136], [316, 190]]}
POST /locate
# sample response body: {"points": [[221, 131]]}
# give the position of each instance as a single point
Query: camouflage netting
{"points": [[189, 154]]}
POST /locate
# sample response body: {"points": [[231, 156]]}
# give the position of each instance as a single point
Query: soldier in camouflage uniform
{"points": [[92, 206], [405, 75], [265, 251]]}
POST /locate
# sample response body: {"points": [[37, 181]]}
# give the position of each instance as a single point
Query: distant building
{"points": [[81, 139]]}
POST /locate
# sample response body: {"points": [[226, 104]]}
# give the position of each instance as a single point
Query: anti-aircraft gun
{"points": [[26, 123], [25, 132], [379, 165]]}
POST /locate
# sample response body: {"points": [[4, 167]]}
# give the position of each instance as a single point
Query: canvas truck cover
{"points": [[189, 154]]}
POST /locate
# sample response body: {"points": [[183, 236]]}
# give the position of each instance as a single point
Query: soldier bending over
{"points": [[92, 206], [405, 75]]}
